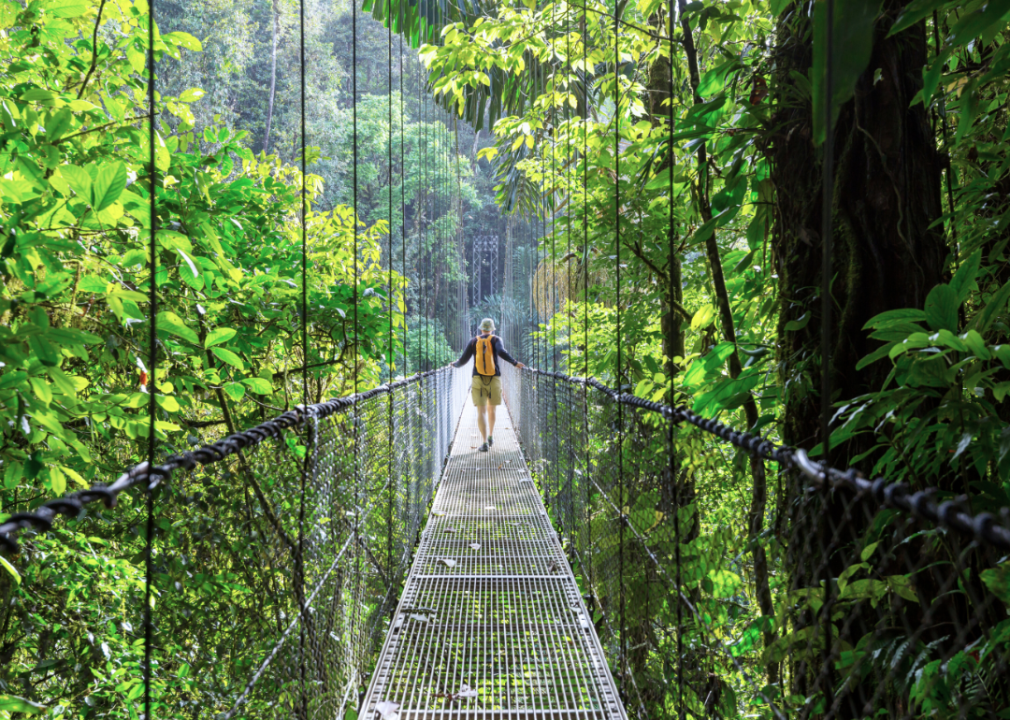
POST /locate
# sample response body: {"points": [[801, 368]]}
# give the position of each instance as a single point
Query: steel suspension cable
{"points": [[617, 305], [152, 360], [827, 193], [300, 561], [677, 484]]}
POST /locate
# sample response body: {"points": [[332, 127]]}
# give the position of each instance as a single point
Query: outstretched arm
{"points": [[503, 354], [467, 354]]}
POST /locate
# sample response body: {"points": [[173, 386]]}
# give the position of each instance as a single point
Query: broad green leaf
{"points": [[229, 357], [183, 39], [977, 345], [44, 351], [941, 308], [173, 324], [891, 317], [192, 95], [236, 391], [13, 704], [965, 275], [854, 29], [108, 185], [218, 336], [79, 180], [798, 324], [259, 385], [915, 12], [997, 579], [704, 317]]}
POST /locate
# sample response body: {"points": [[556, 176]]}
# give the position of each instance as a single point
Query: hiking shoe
{"points": [[482, 448], [490, 441]]}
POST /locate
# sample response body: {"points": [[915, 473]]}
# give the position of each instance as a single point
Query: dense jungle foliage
{"points": [[697, 162]]}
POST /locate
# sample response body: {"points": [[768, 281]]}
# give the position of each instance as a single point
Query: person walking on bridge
{"points": [[485, 388]]}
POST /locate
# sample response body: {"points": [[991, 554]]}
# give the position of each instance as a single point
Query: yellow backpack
{"points": [[484, 356]]}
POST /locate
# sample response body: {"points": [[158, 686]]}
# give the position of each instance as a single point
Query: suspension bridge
{"points": [[407, 575], [581, 570]]}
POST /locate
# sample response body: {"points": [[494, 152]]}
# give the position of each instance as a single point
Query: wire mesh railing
{"points": [[855, 599], [278, 556]]}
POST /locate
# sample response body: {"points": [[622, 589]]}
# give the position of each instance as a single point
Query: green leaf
{"points": [[173, 324], [977, 345], [996, 304], [704, 317], [997, 579], [891, 317], [229, 357], [13, 571], [108, 185], [941, 308], [798, 324], [192, 95], [973, 24], [183, 39], [915, 12], [44, 351], [13, 704], [218, 336], [259, 386], [79, 180], [965, 276], [236, 391], [854, 28]]}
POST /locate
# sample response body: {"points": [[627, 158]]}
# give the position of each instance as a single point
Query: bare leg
{"points": [[490, 419], [482, 421]]}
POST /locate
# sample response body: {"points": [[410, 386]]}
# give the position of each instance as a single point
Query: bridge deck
{"points": [[490, 608]]}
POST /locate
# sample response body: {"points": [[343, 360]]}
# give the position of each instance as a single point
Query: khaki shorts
{"points": [[482, 388]]}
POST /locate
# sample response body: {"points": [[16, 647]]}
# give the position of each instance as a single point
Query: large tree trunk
{"points": [[887, 194], [886, 256]]}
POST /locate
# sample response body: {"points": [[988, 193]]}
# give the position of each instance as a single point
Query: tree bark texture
{"points": [[885, 256], [887, 194]]}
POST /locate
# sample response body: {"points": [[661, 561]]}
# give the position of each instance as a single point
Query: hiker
{"points": [[485, 349]]}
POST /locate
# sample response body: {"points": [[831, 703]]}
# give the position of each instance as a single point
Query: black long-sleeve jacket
{"points": [[497, 350]]}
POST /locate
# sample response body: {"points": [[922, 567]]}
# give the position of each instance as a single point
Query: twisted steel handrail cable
{"points": [[72, 504]]}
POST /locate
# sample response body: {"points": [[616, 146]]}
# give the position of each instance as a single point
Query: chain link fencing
{"points": [[278, 554], [844, 598]]}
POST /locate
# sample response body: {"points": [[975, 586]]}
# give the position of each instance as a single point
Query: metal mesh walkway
{"points": [[491, 623]]}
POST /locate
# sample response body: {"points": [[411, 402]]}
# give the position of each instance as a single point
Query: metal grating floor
{"points": [[490, 607]]}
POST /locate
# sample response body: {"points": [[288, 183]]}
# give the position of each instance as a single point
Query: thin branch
{"points": [[101, 127], [94, 51]]}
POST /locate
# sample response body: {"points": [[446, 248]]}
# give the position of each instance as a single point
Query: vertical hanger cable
{"points": [[152, 360], [617, 306], [300, 575]]}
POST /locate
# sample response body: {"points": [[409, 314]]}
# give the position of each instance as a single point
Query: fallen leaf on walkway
{"points": [[466, 692], [448, 563], [475, 546], [449, 529], [526, 480], [388, 710], [419, 618], [438, 514], [489, 507]]}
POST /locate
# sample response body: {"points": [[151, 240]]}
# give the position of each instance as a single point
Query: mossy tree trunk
{"points": [[887, 195], [885, 256]]}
